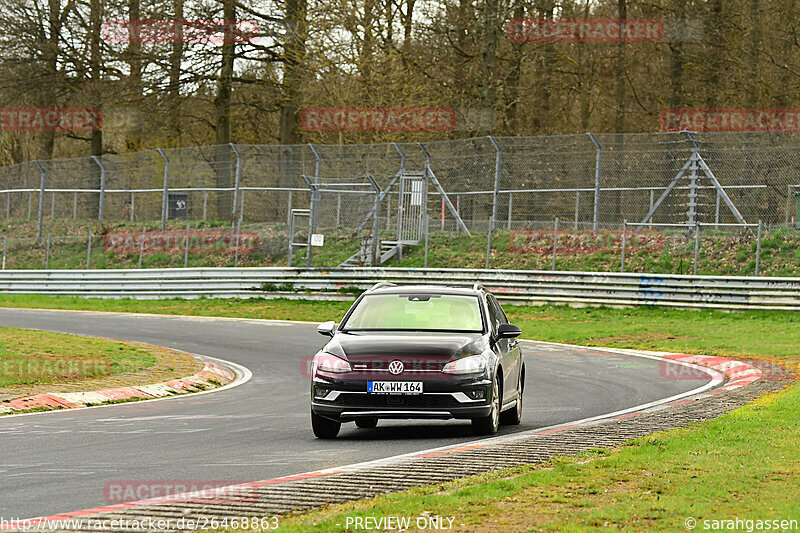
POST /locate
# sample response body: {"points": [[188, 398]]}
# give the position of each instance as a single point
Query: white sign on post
{"points": [[317, 239]]}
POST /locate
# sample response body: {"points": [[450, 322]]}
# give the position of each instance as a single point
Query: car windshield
{"points": [[416, 312]]}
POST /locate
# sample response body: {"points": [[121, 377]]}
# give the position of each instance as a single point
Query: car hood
{"points": [[378, 348]]}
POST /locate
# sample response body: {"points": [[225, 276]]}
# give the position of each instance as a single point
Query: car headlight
{"points": [[472, 364], [325, 362]]}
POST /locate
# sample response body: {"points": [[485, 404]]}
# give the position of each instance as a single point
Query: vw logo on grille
{"points": [[396, 367]]}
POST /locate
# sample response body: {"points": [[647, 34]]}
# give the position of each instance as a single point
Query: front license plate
{"points": [[394, 387]]}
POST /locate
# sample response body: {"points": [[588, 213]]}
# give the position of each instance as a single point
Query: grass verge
{"points": [[744, 464], [33, 362]]}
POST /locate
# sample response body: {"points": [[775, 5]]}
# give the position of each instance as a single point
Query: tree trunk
{"points": [[175, 58], [619, 71], [222, 109]]}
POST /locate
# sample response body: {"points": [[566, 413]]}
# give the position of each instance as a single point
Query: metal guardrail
{"points": [[511, 286]]}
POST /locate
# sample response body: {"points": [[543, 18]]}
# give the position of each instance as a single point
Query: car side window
{"points": [[496, 316]]}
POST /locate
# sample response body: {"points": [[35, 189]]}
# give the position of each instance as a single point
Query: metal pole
{"points": [[102, 202], [165, 194], [291, 239], [42, 177], [205, 202], [237, 180], [788, 202], [133, 204], [5, 245], [47, 253], [696, 246], [489, 242], [141, 247], [577, 206], [376, 220], [8, 205], [716, 213], [53, 204], [289, 212], [498, 166], [89, 251], [555, 243], [30, 200], [510, 203], [74, 205], [597, 181], [312, 218], [338, 208], [427, 220], [236, 251], [758, 248], [624, 243], [652, 198], [241, 206], [186, 249]]}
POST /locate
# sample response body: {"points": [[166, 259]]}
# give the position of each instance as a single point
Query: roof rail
{"points": [[478, 286], [382, 284]]}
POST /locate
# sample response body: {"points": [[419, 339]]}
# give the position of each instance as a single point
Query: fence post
{"points": [[577, 206], [141, 246], [597, 181], [133, 204], [624, 243], [758, 248], [52, 205], [102, 202], [42, 178], [75, 205], [186, 249], [555, 243], [236, 251], [289, 211], [30, 200], [47, 253], [237, 181], [696, 245], [165, 194], [788, 202], [498, 168], [427, 220], [8, 204], [89, 251], [312, 216], [5, 244], [510, 203], [489, 241]]}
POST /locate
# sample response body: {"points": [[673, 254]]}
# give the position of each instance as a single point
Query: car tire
{"points": [[324, 428], [488, 425], [513, 416], [367, 422]]}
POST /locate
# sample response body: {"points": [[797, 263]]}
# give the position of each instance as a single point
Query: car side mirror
{"points": [[327, 328], [508, 331]]}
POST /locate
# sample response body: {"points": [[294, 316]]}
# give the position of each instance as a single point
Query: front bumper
{"points": [[347, 400]]}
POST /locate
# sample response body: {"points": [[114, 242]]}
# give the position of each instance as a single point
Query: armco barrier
{"points": [[512, 286]]}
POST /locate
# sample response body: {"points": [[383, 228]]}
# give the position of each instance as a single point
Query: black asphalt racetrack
{"points": [[59, 462]]}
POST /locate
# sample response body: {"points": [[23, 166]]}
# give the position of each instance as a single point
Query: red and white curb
{"points": [[726, 374], [212, 376]]}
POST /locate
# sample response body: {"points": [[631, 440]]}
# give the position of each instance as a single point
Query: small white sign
{"points": [[317, 239]]}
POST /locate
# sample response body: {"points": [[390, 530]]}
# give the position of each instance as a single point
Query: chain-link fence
{"points": [[588, 182]]}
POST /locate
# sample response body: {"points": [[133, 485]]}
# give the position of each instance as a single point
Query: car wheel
{"points": [[367, 422], [513, 416], [324, 428], [488, 424]]}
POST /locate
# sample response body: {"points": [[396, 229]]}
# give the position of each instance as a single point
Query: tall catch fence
{"points": [[587, 181]]}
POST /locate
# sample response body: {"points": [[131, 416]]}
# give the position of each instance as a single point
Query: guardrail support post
{"points": [[102, 202], [237, 181], [42, 179], [498, 168], [597, 180], [624, 243], [758, 247], [555, 243], [696, 245], [165, 194]]}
